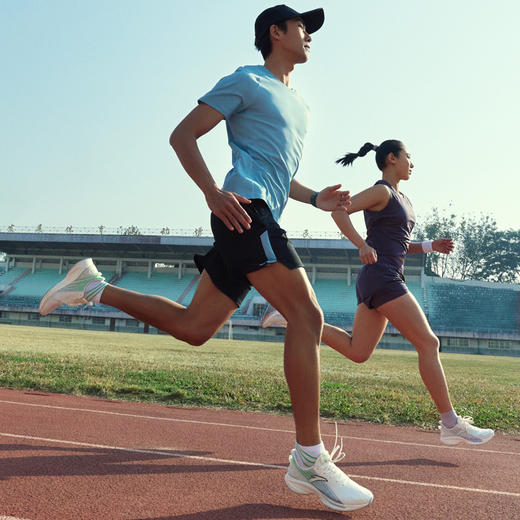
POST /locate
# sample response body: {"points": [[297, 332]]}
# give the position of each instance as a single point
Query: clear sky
{"points": [[91, 90]]}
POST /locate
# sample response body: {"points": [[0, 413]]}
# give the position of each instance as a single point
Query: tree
{"points": [[475, 238], [198, 232], [165, 231], [502, 262], [482, 252], [101, 229], [68, 229], [437, 226]]}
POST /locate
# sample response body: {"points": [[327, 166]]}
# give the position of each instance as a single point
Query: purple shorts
{"points": [[380, 282]]}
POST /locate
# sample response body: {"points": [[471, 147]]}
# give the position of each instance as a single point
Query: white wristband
{"points": [[427, 246]]}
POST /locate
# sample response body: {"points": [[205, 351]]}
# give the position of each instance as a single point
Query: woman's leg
{"points": [[407, 317], [369, 326]]}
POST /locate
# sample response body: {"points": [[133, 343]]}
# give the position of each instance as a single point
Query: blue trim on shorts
{"points": [[268, 248]]}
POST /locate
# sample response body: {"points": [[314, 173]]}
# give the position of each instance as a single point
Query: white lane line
{"points": [[247, 463], [161, 453], [10, 518], [259, 428], [443, 486]]}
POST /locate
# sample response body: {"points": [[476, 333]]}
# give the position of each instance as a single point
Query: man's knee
{"points": [[306, 316], [194, 335], [196, 340]]}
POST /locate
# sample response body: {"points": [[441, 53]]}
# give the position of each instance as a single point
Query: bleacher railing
{"points": [[134, 230]]}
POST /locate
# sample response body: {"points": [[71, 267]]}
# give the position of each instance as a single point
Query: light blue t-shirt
{"points": [[266, 123]]}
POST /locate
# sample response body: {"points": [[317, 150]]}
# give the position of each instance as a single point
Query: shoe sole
{"points": [[304, 488], [455, 441], [266, 322], [71, 276]]}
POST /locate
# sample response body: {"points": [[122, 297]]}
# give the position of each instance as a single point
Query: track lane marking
{"points": [[163, 453], [260, 428]]}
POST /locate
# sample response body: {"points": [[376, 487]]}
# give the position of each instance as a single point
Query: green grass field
{"points": [[249, 376]]}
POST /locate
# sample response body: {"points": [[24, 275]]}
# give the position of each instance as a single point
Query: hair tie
{"points": [[375, 147]]}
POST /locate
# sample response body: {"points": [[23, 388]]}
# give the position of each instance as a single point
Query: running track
{"points": [[67, 457]]}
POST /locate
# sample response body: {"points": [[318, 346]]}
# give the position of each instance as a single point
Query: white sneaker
{"points": [[71, 290], [273, 319], [335, 489], [464, 431]]}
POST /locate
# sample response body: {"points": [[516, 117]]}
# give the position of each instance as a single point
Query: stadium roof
{"points": [[157, 247]]}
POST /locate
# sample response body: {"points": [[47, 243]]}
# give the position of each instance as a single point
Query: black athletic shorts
{"points": [[234, 254], [381, 282]]}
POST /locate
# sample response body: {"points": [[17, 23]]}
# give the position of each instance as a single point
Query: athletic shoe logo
{"points": [[317, 478]]}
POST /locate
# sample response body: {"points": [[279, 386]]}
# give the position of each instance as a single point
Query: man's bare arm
{"points": [[224, 204]]}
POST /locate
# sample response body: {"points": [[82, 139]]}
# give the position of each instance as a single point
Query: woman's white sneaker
{"points": [[273, 319], [465, 431]]}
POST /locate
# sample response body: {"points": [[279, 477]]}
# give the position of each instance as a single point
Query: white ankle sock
{"points": [[306, 456], [94, 289], [449, 419]]}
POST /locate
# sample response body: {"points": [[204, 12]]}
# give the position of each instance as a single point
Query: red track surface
{"points": [[65, 457]]}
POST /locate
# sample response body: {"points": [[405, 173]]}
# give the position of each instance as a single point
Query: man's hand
{"points": [[443, 245], [332, 198], [226, 206]]}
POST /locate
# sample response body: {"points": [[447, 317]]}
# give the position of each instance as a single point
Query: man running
{"points": [[266, 123]]}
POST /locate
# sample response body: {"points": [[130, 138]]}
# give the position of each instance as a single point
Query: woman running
{"points": [[381, 292]]}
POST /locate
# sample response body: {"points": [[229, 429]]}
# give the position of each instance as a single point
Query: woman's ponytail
{"points": [[349, 158], [382, 151]]}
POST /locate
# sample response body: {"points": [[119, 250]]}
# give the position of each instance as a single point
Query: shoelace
{"points": [[340, 455], [467, 421], [337, 454]]}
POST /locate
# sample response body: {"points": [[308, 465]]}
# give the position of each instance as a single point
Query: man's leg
{"points": [[195, 324], [311, 470], [289, 291]]}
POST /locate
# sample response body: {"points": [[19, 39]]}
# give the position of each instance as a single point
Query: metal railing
{"points": [[136, 230]]}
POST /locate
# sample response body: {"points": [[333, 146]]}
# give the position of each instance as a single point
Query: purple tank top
{"points": [[389, 230]]}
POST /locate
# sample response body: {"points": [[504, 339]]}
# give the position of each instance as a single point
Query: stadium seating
{"points": [[335, 296], [417, 291], [162, 284], [337, 300], [37, 283], [10, 276], [461, 307], [17, 302], [449, 306]]}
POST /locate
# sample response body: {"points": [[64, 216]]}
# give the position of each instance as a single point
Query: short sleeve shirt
{"points": [[266, 124]]}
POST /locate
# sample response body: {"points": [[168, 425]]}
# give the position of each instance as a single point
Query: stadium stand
{"points": [[37, 283], [461, 307], [476, 317], [162, 284], [417, 291], [10, 277], [335, 295]]}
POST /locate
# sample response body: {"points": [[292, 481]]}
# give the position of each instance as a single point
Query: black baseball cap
{"points": [[313, 20]]}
